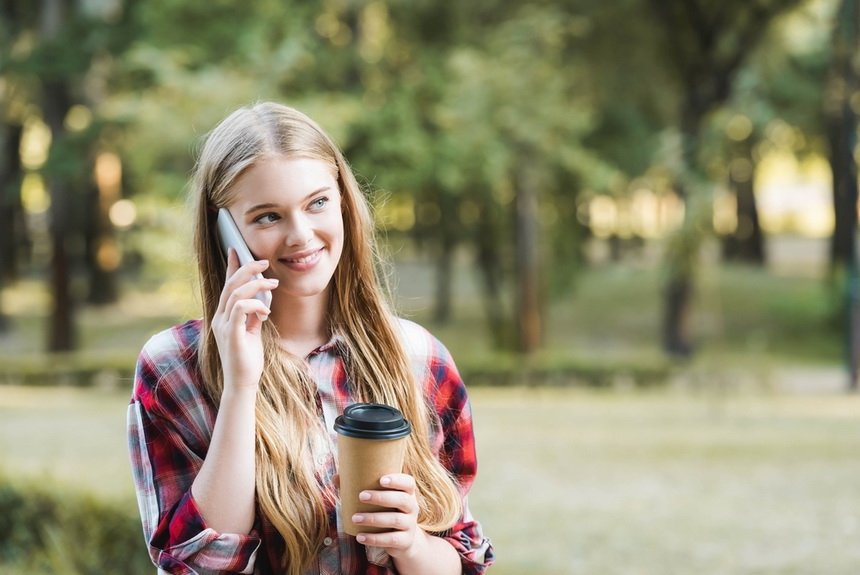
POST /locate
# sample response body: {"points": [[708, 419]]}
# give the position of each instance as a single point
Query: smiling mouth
{"points": [[305, 259]]}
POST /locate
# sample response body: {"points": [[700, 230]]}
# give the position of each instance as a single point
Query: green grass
{"points": [[68, 436], [678, 480], [663, 483]]}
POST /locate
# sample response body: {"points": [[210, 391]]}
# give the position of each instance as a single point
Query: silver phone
{"points": [[231, 238]]}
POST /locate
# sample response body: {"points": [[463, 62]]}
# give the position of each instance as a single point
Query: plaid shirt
{"points": [[170, 423]]}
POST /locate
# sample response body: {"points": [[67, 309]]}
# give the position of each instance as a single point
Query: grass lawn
{"points": [[661, 483], [575, 481]]}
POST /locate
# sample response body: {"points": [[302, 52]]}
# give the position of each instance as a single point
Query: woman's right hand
{"points": [[238, 322]]}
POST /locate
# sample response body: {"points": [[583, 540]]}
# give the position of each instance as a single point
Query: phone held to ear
{"points": [[231, 238]]}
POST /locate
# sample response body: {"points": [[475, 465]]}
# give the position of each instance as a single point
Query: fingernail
{"points": [[364, 496], [360, 538], [273, 281], [385, 480], [357, 518]]}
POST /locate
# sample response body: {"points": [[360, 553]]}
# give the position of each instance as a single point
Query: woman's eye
{"points": [[266, 218], [319, 203]]}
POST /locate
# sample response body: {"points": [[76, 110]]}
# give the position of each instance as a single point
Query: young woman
{"points": [[231, 420]]}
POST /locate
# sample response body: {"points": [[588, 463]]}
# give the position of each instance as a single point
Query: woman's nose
{"points": [[299, 231]]}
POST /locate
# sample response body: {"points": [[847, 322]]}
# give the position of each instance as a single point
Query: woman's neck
{"points": [[302, 323]]}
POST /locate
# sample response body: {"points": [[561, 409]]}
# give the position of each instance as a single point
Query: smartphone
{"points": [[231, 238]]}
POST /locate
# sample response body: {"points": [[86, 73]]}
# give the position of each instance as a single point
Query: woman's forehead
{"points": [[284, 180]]}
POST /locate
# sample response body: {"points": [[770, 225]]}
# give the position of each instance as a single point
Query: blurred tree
{"points": [[633, 97], [746, 243], [13, 230], [102, 251], [471, 124], [482, 121], [705, 45], [739, 134], [14, 237], [52, 48], [196, 60], [841, 130], [400, 137], [841, 96], [776, 106], [633, 90], [399, 143], [516, 117], [56, 101]]}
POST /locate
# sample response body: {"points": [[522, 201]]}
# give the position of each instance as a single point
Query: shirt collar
{"points": [[336, 345]]}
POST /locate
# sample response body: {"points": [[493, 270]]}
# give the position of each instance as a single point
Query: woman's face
{"points": [[289, 212]]}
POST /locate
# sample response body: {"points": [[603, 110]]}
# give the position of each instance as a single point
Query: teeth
{"points": [[304, 260]]}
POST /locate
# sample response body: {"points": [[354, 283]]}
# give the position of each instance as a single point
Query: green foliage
{"points": [[441, 107], [778, 92], [44, 529]]}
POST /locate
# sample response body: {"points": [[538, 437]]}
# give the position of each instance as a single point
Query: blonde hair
{"points": [[288, 490]]}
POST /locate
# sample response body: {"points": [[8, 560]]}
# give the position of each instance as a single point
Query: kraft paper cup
{"points": [[371, 443]]}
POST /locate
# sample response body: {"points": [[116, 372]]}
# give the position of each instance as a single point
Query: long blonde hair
{"points": [[289, 493]]}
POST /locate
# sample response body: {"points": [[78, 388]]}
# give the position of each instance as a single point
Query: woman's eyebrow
{"points": [[266, 206], [317, 191]]}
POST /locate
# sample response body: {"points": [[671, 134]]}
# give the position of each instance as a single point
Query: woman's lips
{"points": [[302, 262]]}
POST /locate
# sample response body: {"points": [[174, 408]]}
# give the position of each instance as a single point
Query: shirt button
{"points": [[327, 541]]}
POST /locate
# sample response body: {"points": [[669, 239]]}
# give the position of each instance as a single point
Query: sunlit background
{"points": [[633, 223]]}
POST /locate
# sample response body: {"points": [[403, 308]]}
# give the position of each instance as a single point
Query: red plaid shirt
{"points": [[170, 424]]}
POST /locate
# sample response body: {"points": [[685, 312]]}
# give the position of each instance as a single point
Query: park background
{"points": [[632, 222]]}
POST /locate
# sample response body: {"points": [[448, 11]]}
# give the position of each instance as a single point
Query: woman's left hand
{"points": [[400, 521]]}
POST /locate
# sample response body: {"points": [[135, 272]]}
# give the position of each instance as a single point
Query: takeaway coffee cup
{"points": [[371, 443]]}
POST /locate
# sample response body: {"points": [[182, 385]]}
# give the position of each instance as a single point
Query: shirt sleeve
{"points": [[165, 458], [457, 454]]}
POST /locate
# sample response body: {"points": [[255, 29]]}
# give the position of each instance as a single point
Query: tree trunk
{"points": [[841, 139], [706, 44], [749, 238], [444, 279], [12, 228], [61, 332], [841, 123], [61, 335], [527, 260], [56, 102], [677, 295], [13, 231], [677, 307], [491, 274], [444, 258], [746, 243]]}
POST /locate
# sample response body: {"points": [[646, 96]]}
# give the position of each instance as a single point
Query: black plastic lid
{"points": [[372, 421]]}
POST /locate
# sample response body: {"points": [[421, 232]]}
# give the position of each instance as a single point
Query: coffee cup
{"points": [[371, 443]]}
